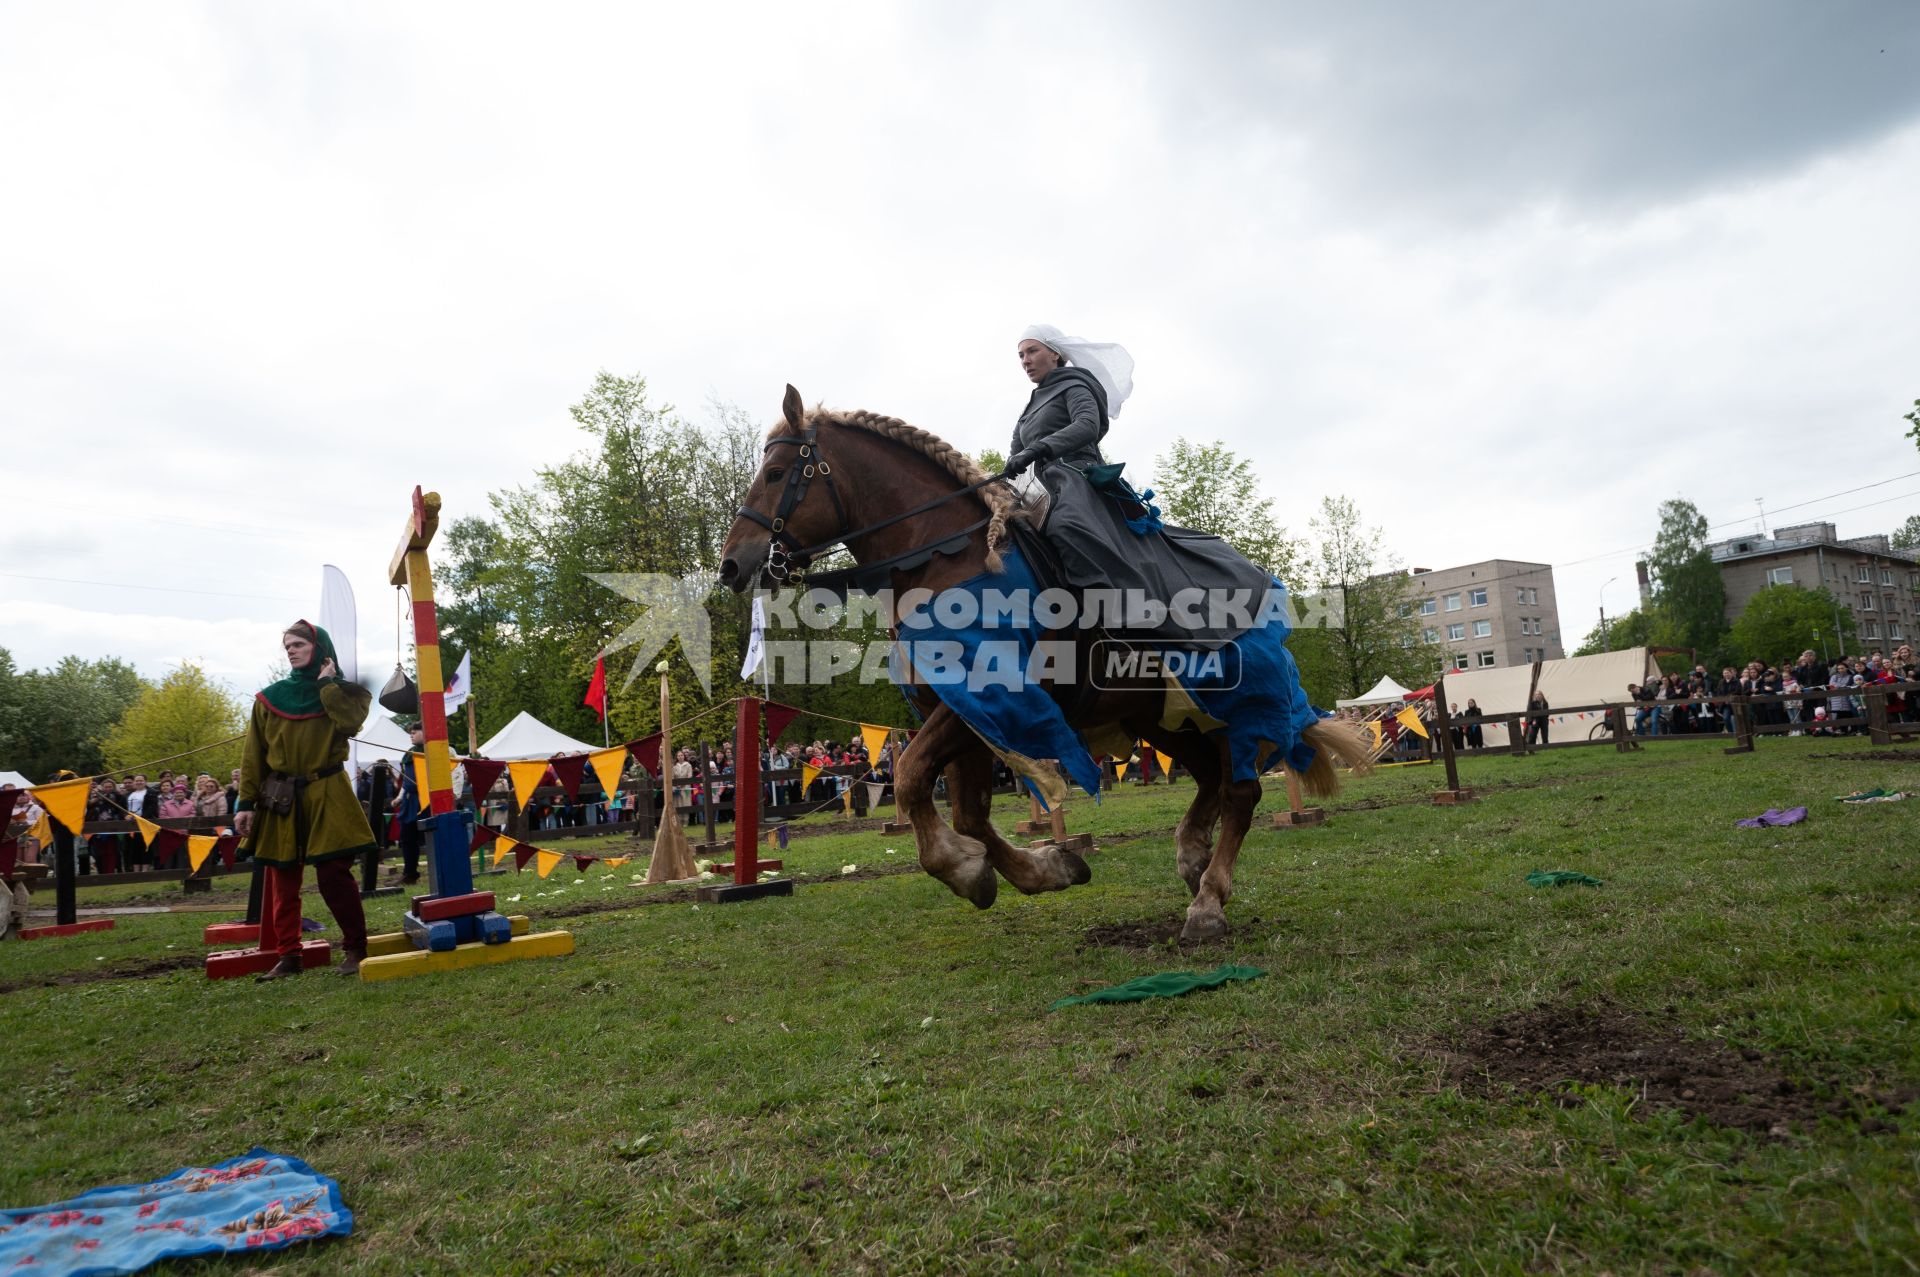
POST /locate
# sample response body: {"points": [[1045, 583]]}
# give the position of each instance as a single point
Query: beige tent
{"points": [[1600, 679]]}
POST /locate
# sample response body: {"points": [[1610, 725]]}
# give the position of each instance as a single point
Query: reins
{"points": [[787, 560]]}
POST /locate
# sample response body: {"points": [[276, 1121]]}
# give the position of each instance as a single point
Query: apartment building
{"points": [[1499, 612], [1875, 582]]}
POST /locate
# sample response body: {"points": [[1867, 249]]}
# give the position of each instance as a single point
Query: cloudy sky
{"points": [[1507, 274]]}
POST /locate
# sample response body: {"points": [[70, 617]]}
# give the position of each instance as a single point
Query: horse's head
{"points": [[782, 511]]}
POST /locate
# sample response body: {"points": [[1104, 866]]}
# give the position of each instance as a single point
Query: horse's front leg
{"points": [[953, 858], [1207, 915], [970, 786]]}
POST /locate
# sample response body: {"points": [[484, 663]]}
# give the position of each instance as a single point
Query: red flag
{"points": [[778, 716], [521, 855], [597, 690], [481, 775], [482, 836], [568, 770], [581, 862], [228, 847], [646, 751]]}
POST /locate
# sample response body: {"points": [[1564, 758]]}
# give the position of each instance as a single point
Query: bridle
{"points": [[788, 560]]}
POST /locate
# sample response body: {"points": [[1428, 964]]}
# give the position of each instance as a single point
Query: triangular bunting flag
{"points": [[521, 855], [607, 766], [1373, 725], [568, 770], [646, 752], [778, 716], [875, 738], [503, 846], [9, 852], [1165, 761], [807, 773], [166, 845], [526, 778], [549, 860], [42, 831], [1411, 721], [8, 799], [199, 847], [482, 773], [846, 800], [228, 847], [66, 802], [482, 835], [614, 862], [420, 779], [148, 830], [581, 862]]}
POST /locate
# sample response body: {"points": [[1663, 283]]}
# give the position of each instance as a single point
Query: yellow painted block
{"points": [[398, 966], [396, 941]]}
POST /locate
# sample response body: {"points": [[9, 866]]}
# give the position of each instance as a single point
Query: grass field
{"points": [[866, 1077]]}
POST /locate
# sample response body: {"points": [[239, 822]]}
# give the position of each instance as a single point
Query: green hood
{"points": [[298, 694]]}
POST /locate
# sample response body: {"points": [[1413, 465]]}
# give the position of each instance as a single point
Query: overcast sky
{"points": [[1507, 274]]}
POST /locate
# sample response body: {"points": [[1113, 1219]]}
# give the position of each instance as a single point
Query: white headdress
{"points": [[1108, 361]]}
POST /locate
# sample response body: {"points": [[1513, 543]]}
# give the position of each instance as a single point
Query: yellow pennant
{"points": [[1166, 763], [1373, 725], [614, 862], [148, 830], [65, 801], [42, 831], [807, 773], [846, 800], [199, 847], [607, 764], [502, 848], [526, 778], [548, 861], [875, 739], [420, 781], [1411, 721]]}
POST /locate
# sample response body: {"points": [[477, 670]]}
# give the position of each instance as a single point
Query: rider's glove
{"points": [[1020, 460]]}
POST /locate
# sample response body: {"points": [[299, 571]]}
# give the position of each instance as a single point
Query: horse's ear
{"points": [[794, 411]]}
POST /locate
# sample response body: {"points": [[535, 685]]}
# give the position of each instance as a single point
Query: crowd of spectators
{"points": [[1819, 695]]}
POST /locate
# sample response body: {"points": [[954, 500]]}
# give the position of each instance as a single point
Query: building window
{"points": [[1406, 609], [1429, 635], [1478, 598], [1863, 574], [1459, 661], [1780, 576], [1886, 576], [1866, 603], [1426, 607], [1486, 659], [1483, 629], [1453, 602], [1870, 629], [1890, 603], [1456, 632], [1893, 630], [1406, 640]]}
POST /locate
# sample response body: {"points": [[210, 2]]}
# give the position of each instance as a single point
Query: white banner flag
{"points": [[338, 619], [460, 684], [757, 641]]}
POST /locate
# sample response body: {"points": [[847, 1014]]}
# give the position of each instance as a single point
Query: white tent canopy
{"points": [[380, 739], [16, 780], [528, 737], [1385, 692]]}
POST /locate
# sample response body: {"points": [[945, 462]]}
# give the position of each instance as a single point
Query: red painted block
{"points": [[233, 963], [436, 908], [727, 868], [231, 933], [67, 929]]}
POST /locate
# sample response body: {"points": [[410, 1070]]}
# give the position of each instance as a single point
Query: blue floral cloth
{"points": [[261, 1201]]}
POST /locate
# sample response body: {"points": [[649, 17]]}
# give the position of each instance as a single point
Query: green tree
{"points": [[1914, 418], [1782, 621], [1361, 623], [59, 717], [1632, 629], [992, 460], [185, 711], [1907, 535], [1689, 600], [1208, 488]]}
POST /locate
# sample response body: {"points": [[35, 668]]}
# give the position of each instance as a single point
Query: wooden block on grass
{"points": [[434, 908], [234, 963], [231, 933], [66, 929], [1452, 797], [897, 827], [1299, 819], [398, 966], [396, 941]]}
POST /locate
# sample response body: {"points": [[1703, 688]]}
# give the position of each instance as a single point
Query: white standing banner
{"points": [[338, 618]]}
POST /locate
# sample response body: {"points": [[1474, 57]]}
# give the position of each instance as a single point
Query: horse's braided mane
{"points": [[1001, 503]]}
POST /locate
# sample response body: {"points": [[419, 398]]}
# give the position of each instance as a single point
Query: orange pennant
{"points": [[614, 862], [148, 830], [875, 739], [549, 861], [199, 847], [65, 801], [526, 776], [502, 848], [607, 765]]}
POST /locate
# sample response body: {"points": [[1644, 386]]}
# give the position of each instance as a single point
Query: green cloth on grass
{"points": [[1874, 796], [1561, 878], [1164, 984]]}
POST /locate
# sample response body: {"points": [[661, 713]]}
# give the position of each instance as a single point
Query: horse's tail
{"points": [[1336, 743]]}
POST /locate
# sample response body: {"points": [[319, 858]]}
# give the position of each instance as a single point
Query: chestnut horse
{"points": [[921, 514]]}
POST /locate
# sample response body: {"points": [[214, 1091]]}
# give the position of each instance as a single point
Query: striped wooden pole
{"points": [[411, 569]]}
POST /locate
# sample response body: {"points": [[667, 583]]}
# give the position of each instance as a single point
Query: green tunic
{"points": [[336, 824]]}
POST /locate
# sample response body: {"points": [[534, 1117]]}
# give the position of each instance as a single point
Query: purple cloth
{"points": [[1791, 816]]}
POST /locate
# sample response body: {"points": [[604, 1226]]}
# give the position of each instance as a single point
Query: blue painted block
{"points": [[495, 928], [437, 936], [449, 845], [466, 928]]}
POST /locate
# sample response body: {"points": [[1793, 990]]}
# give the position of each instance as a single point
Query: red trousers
{"points": [[280, 905]]}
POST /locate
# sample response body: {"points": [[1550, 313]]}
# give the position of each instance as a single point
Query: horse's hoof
{"points": [[1203, 927], [981, 886]]}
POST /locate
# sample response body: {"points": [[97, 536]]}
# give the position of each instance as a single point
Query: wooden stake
{"points": [[672, 856]]}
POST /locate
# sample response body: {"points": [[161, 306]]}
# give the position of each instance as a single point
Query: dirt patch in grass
{"points": [[1876, 756], [138, 970], [1162, 933], [1551, 1049]]}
